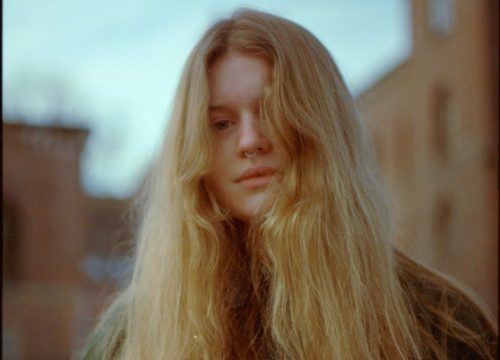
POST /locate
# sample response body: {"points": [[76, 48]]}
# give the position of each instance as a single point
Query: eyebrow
{"points": [[225, 107], [218, 107]]}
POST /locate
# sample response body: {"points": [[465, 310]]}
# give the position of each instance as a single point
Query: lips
{"points": [[256, 177]]}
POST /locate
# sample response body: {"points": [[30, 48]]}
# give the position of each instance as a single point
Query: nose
{"points": [[251, 138]]}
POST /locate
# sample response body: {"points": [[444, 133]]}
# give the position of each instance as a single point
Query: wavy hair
{"points": [[312, 277]]}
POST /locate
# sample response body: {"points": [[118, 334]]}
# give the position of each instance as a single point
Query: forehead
{"points": [[237, 77]]}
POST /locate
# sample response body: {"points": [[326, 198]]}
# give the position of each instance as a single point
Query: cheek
{"points": [[221, 160], [222, 171], [219, 168], [216, 181], [218, 178], [220, 190]]}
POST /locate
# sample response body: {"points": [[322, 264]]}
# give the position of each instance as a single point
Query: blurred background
{"points": [[87, 89]]}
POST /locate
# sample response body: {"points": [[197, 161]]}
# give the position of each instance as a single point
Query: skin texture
{"points": [[236, 85]]}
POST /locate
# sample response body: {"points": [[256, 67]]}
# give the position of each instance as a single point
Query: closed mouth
{"points": [[256, 172]]}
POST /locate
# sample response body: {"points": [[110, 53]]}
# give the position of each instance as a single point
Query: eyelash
{"points": [[222, 124]]}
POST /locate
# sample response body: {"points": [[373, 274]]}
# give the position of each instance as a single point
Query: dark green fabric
{"points": [[430, 295], [427, 293]]}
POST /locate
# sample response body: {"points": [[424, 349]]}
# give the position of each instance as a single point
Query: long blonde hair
{"points": [[314, 276]]}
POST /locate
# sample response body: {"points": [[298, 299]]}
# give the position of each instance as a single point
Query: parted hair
{"points": [[315, 275]]}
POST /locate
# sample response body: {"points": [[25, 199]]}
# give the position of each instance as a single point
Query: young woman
{"points": [[265, 234]]}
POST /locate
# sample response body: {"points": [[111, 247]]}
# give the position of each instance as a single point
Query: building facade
{"points": [[60, 263], [435, 125]]}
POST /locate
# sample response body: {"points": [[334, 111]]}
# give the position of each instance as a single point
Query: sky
{"points": [[113, 66]]}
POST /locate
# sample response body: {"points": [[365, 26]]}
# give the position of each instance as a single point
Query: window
{"points": [[441, 17], [10, 243], [404, 148], [442, 220], [440, 113]]}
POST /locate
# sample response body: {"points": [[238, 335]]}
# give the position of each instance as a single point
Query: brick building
{"points": [[59, 264], [435, 124]]}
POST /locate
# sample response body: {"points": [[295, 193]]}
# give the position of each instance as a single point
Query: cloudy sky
{"points": [[113, 66]]}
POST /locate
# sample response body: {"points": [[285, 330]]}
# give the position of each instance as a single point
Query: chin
{"points": [[245, 212]]}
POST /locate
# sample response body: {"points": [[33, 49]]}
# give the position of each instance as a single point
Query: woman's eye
{"points": [[221, 124]]}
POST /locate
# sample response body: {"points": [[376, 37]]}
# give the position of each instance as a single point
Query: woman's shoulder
{"points": [[447, 317], [106, 340]]}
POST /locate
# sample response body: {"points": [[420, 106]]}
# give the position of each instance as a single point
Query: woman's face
{"points": [[245, 160]]}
